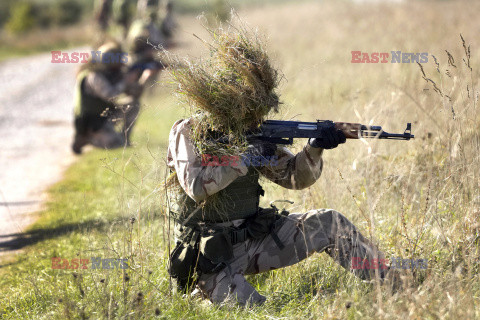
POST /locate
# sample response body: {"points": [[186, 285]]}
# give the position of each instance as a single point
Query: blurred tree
{"points": [[5, 6], [67, 12], [21, 18]]}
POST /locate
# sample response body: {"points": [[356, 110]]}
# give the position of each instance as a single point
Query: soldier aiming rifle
{"points": [[222, 234]]}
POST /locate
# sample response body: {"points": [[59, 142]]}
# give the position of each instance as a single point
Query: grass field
{"points": [[418, 199]]}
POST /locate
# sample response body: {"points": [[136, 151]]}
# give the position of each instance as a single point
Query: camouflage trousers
{"points": [[302, 234], [106, 137]]}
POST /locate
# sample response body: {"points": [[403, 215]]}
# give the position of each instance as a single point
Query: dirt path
{"points": [[35, 135]]}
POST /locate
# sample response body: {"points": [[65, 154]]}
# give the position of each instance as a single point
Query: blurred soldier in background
{"points": [[104, 93], [165, 14], [168, 24], [154, 23], [145, 40], [124, 12], [103, 13], [144, 37], [145, 5]]}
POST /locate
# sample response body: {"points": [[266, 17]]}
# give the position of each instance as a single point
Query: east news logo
{"points": [[82, 57], [93, 263], [382, 57]]}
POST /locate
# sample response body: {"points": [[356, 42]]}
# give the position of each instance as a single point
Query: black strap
{"points": [[194, 238], [277, 224], [238, 235], [277, 240]]}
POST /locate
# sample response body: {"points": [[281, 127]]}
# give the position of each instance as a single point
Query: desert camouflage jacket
{"points": [[199, 181]]}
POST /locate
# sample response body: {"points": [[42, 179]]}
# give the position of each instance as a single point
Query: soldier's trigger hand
{"points": [[261, 148], [330, 138], [131, 77]]}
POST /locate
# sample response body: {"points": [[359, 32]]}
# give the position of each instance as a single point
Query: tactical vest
{"points": [[239, 200]]}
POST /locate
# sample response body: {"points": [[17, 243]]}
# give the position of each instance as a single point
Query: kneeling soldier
{"points": [[105, 92], [222, 234]]}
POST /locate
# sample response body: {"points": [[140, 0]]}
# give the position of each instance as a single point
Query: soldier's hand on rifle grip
{"points": [[330, 138], [131, 77]]}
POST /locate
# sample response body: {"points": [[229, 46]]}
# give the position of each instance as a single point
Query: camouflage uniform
{"points": [[144, 6], [301, 233], [103, 13], [142, 37], [101, 97], [168, 24], [123, 13]]}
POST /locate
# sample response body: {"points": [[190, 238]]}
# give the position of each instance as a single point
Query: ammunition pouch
{"points": [[182, 266], [196, 254], [267, 221], [261, 224]]}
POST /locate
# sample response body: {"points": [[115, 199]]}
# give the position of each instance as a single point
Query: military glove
{"points": [[330, 138]]}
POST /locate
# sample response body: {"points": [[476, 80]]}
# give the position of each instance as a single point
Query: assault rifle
{"points": [[283, 132]]}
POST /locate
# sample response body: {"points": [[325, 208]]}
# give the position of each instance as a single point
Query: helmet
{"points": [[110, 47]]}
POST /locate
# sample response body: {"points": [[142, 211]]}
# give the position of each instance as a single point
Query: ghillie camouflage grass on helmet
{"points": [[230, 93]]}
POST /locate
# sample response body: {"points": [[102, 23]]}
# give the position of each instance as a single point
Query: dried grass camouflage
{"points": [[232, 91]]}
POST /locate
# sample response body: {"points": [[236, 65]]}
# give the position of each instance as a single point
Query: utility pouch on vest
{"points": [[217, 247]]}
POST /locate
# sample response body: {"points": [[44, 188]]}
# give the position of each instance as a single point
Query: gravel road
{"points": [[36, 99]]}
